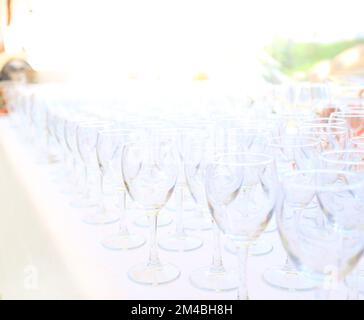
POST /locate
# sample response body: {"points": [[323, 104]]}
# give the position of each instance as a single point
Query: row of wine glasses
{"points": [[226, 173]]}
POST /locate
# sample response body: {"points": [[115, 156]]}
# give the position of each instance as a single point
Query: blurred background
{"points": [[174, 39], [245, 44]]}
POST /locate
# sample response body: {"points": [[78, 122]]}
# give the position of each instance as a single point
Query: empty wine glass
{"points": [[150, 171], [328, 248], [292, 152], [180, 240], [109, 146], [77, 170], [354, 121], [325, 121], [214, 277], [358, 142], [251, 137], [144, 127], [332, 137], [353, 161], [289, 122], [86, 135], [191, 137], [241, 190]]}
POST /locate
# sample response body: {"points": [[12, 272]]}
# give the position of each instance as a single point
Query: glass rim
{"points": [[323, 119], [347, 151], [294, 115], [359, 140], [341, 129], [344, 114], [115, 131], [267, 159], [248, 130], [323, 188], [314, 142], [94, 124]]}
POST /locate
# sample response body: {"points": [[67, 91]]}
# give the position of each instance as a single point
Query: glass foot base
{"points": [[203, 278], [361, 281], [180, 243], [153, 275], [257, 248], [97, 218], [198, 222], [123, 242], [272, 227], [83, 203], [143, 221], [292, 280]]}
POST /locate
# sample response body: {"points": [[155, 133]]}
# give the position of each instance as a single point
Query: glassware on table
{"points": [[144, 127], [76, 166], [292, 152], [195, 135], [213, 277], [150, 172], [86, 138], [321, 94], [357, 142], [353, 161], [328, 248], [252, 136], [325, 121], [179, 240], [288, 123], [332, 137], [241, 191], [354, 120], [109, 146]]}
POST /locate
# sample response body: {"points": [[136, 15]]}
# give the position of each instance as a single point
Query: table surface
{"points": [[48, 252]]}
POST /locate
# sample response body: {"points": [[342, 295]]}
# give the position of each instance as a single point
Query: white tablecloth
{"points": [[46, 251]]}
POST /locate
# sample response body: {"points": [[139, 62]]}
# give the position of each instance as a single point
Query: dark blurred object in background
{"points": [[16, 70]]}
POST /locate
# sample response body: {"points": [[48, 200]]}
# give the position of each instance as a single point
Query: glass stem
{"points": [[243, 251], [153, 251], [217, 265], [353, 284], [101, 192], [80, 176], [179, 218], [74, 174], [123, 228], [288, 265], [85, 180]]}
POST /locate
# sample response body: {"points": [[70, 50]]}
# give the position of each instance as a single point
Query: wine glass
{"points": [[292, 152], [349, 160], [150, 172], [109, 146], [214, 277], [332, 137], [241, 193], [180, 240], [86, 135], [76, 185], [328, 248], [325, 121], [146, 127], [252, 136], [193, 135], [354, 121], [358, 142]]}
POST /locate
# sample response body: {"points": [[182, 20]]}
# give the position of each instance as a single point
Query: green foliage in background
{"points": [[302, 56]]}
